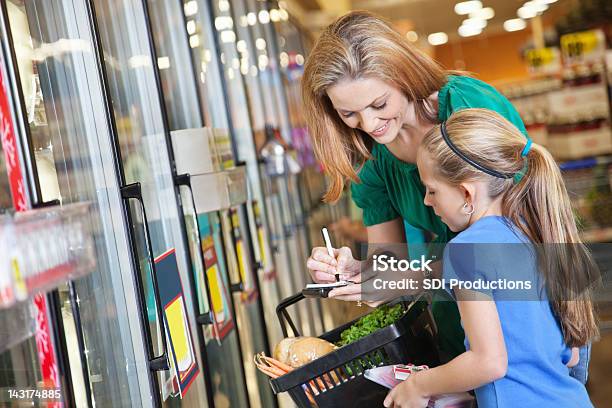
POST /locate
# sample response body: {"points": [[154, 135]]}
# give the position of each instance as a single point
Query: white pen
{"points": [[330, 249]]}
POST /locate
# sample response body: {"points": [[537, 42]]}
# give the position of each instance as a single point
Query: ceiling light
{"points": [[537, 6], [194, 41], [486, 13], [474, 23], [163, 62], [526, 12], [264, 17], [437, 38], [260, 44], [224, 5], [467, 7], [190, 8], [223, 23], [228, 36], [191, 27], [514, 24], [468, 31]]}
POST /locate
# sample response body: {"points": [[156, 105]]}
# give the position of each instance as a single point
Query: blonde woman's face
{"points": [[373, 106], [445, 199]]}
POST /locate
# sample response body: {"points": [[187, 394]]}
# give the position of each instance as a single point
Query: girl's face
{"points": [[372, 106], [446, 200]]}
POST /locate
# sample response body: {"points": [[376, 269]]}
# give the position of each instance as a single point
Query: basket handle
{"points": [[283, 316]]}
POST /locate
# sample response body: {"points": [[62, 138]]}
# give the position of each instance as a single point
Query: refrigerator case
{"points": [[207, 192], [223, 148], [212, 187], [247, 119], [61, 113], [250, 94], [146, 167], [212, 63], [310, 184], [223, 347], [276, 118]]}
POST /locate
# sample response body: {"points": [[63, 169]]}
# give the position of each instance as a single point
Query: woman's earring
{"points": [[469, 211]]}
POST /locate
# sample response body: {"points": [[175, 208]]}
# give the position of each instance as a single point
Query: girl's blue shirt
{"points": [[494, 250]]}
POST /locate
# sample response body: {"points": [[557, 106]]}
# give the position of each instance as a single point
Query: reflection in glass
{"points": [[174, 63]]}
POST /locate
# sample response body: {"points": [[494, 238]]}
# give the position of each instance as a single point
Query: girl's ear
{"points": [[468, 190]]}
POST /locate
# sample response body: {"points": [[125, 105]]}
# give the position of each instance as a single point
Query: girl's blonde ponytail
{"points": [[537, 203], [540, 206]]}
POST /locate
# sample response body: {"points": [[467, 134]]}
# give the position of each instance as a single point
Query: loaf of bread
{"points": [[297, 351]]}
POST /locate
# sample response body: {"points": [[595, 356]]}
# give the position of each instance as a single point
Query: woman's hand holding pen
{"points": [[323, 267]]}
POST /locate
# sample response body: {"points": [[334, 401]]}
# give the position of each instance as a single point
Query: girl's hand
{"points": [[407, 395], [322, 267]]}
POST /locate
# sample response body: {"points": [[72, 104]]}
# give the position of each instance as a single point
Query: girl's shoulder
{"points": [[491, 230]]}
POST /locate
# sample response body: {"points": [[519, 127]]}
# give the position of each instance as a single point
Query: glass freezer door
{"points": [[246, 114], [223, 344], [63, 114], [153, 196], [208, 63], [287, 204], [191, 103]]}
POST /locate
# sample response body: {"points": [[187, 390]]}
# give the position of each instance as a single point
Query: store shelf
{"points": [[219, 190], [40, 249]]}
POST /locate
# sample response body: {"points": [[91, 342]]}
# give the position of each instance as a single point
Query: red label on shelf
{"points": [[9, 147]]}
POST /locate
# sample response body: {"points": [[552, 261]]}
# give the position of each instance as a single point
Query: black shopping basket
{"points": [[336, 379]]}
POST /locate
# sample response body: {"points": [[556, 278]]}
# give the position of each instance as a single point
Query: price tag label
{"points": [[543, 60], [584, 46]]}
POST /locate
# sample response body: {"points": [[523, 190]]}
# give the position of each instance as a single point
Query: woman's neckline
{"points": [[398, 162], [441, 104]]}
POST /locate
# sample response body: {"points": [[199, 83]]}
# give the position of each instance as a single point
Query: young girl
{"points": [[487, 182]]}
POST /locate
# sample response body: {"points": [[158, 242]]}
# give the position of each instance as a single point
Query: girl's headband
{"points": [[516, 176]]}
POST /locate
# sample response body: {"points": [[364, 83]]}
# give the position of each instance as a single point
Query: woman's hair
{"points": [[360, 45], [538, 204]]}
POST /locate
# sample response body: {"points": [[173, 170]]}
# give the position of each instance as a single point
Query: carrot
{"points": [[265, 367], [277, 371], [268, 373], [277, 363]]}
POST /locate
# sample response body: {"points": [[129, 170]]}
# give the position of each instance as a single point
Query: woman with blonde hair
{"points": [[506, 198], [369, 98]]}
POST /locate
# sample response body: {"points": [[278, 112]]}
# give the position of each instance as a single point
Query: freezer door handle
{"points": [[205, 318], [156, 363]]}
